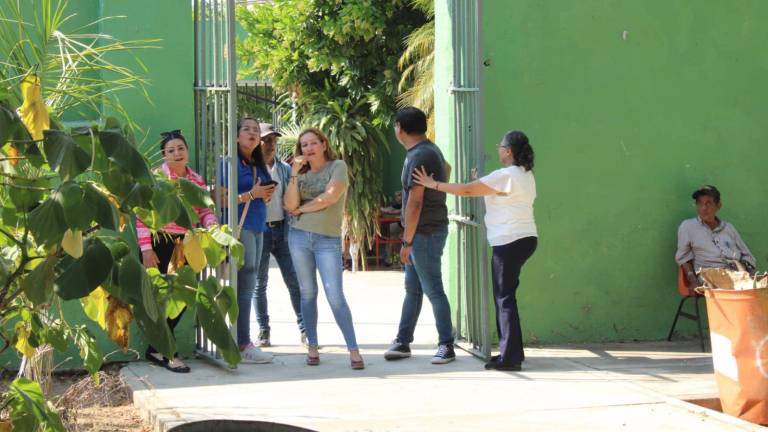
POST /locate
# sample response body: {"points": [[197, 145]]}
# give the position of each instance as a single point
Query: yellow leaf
{"points": [[95, 306], [177, 257], [13, 152], [22, 339], [72, 243], [193, 251], [119, 317], [33, 112]]}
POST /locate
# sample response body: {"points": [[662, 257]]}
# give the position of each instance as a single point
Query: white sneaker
{"points": [[253, 354]]}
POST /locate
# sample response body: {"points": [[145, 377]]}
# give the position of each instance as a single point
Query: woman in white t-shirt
{"points": [[509, 193]]}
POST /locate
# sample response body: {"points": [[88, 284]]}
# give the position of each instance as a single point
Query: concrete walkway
{"points": [[609, 387]]}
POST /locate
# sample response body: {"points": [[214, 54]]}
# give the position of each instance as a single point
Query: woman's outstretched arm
{"points": [[474, 189]]}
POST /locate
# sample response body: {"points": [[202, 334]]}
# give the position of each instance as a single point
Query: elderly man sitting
{"points": [[706, 241]]}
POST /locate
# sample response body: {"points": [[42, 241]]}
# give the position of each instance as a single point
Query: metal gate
{"points": [[472, 314], [215, 89]]}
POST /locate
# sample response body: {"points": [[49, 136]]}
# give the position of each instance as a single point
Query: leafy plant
{"points": [[417, 63], [336, 64], [71, 62], [66, 199]]}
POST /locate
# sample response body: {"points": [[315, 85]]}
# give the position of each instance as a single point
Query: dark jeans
{"points": [[276, 243], [163, 245], [424, 276], [506, 264]]}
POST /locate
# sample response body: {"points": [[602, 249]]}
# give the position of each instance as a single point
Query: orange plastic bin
{"points": [[738, 323]]}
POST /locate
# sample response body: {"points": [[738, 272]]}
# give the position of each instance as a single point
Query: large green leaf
{"points": [[119, 249], [29, 409], [105, 212], [215, 253], [165, 202], [25, 193], [55, 334], [86, 273], [30, 149], [212, 320], [187, 217], [227, 301], [117, 246], [196, 195], [150, 218], [38, 284], [87, 138], [77, 212], [156, 331], [134, 279], [120, 151], [9, 121], [63, 155], [89, 351], [223, 236], [46, 222], [139, 196], [117, 181], [9, 216]]}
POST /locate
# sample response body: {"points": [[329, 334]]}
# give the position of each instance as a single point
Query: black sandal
{"points": [[164, 362], [179, 368]]}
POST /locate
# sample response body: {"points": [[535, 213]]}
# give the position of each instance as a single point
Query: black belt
{"points": [[275, 224]]}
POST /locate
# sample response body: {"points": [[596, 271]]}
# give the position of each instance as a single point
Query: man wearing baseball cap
{"points": [[275, 239], [706, 241]]}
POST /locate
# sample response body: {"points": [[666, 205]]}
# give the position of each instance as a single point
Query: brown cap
{"points": [[267, 129]]}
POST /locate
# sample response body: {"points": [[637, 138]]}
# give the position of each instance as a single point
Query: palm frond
{"points": [[73, 67]]}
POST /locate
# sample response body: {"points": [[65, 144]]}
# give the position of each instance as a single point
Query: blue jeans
{"points": [[275, 243], [312, 252], [424, 276], [246, 282]]}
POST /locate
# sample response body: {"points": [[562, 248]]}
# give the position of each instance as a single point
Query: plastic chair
{"points": [[686, 293], [378, 240]]}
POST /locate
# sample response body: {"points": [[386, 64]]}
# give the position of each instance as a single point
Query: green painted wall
{"points": [[169, 67], [444, 114], [629, 106], [170, 71], [393, 165]]}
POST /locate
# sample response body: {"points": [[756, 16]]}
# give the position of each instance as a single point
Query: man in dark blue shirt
{"points": [[425, 222]]}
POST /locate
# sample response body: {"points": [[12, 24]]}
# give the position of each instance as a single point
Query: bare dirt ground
{"points": [[85, 406]]}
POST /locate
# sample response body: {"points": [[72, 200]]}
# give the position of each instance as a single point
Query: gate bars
{"points": [[472, 312], [215, 89]]}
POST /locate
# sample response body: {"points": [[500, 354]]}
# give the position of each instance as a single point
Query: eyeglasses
{"points": [[167, 136]]}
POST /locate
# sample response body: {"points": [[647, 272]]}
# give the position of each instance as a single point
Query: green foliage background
{"points": [[336, 64]]}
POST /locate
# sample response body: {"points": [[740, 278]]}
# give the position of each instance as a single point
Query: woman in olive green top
{"points": [[315, 197]]}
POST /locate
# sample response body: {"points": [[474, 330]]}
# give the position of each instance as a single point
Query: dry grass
{"points": [[100, 407], [85, 406]]}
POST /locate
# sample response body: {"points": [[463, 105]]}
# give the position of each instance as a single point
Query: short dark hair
{"points": [[411, 120], [518, 142], [707, 190]]}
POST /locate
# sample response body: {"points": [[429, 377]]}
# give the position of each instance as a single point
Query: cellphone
{"points": [[271, 182]]}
